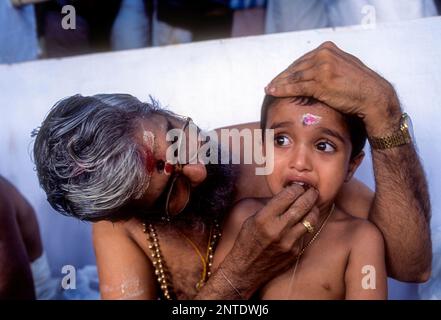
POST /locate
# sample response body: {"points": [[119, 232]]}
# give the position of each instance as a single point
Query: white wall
{"points": [[216, 83]]}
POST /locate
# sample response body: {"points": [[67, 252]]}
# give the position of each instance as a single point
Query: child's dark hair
{"points": [[357, 130]]}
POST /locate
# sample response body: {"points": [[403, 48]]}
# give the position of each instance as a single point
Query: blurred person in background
{"points": [[248, 18], [24, 266], [20, 244], [18, 33], [293, 15], [130, 24], [93, 24]]}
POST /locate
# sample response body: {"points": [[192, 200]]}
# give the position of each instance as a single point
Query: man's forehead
{"points": [[157, 127], [157, 124], [158, 120]]}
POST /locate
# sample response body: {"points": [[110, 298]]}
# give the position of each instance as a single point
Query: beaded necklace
{"points": [[161, 270]]}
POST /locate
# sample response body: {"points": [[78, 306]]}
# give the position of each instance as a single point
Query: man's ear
{"points": [[353, 165]]}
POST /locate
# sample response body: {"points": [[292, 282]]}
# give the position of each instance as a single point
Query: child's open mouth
{"points": [[305, 185]]}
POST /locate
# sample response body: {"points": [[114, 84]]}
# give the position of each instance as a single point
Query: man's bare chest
{"points": [[184, 263]]}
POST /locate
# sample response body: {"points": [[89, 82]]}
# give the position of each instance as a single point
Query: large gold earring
{"points": [[171, 196]]}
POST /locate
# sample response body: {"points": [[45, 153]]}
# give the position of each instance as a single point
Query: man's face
{"points": [[211, 185], [311, 146], [152, 135]]}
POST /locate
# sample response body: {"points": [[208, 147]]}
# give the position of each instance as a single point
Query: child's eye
{"points": [[325, 146], [281, 140]]}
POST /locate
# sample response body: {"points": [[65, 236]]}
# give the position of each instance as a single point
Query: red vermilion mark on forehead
{"points": [[150, 161], [148, 139]]}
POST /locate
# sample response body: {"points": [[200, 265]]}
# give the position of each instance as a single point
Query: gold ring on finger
{"points": [[308, 226]]}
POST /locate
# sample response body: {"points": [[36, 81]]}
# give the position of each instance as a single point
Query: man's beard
{"points": [[210, 200], [214, 197]]}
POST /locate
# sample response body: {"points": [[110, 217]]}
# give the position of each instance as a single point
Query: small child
{"points": [[316, 146]]}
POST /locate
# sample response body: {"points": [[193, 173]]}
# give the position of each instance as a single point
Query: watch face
{"points": [[406, 124]]}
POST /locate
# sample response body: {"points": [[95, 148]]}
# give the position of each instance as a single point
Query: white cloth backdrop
{"points": [[217, 83]]}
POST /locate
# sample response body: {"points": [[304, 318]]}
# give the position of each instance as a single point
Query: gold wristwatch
{"points": [[403, 136]]}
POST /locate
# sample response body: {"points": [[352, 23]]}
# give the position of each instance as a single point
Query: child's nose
{"points": [[300, 159]]}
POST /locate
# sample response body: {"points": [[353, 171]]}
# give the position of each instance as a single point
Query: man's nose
{"points": [[196, 173]]}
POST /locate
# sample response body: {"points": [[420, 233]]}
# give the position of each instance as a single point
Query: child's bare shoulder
{"points": [[247, 207], [250, 204], [358, 230], [242, 210]]}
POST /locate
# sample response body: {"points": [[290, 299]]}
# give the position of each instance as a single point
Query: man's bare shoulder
{"points": [[123, 228], [118, 237]]}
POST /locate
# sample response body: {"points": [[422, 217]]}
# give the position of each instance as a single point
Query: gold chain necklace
{"points": [[161, 270], [207, 261], [317, 233], [306, 246]]}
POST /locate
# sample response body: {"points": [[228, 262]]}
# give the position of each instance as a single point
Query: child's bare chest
{"points": [[320, 274]]}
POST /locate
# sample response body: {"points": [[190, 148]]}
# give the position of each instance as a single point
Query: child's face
{"points": [[312, 146]]}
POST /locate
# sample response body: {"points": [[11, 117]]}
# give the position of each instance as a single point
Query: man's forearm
{"points": [[226, 283], [401, 210], [401, 207], [217, 288], [229, 280]]}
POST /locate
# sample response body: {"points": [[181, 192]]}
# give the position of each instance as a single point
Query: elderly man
{"points": [[104, 158]]}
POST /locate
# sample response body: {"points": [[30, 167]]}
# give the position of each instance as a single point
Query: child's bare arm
{"points": [[365, 276]]}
